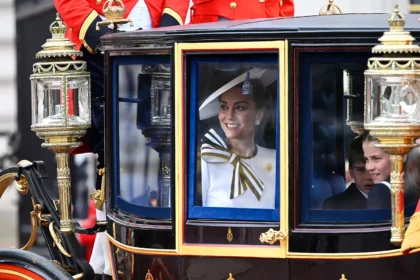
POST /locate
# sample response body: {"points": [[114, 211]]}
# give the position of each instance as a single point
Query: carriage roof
{"points": [[341, 25]]}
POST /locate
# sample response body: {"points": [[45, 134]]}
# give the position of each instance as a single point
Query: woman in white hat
{"points": [[235, 172]]}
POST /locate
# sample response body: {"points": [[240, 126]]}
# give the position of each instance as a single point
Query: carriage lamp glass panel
{"points": [[47, 102], [160, 90], [78, 101], [392, 98]]}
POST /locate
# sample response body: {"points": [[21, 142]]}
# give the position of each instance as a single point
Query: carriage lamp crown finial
{"points": [[396, 40], [114, 13], [114, 9], [58, 28], [396, 20], [58, 45], [330, 9]]}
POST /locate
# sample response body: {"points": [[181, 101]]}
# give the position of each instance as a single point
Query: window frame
{"points": [[223, 213], [118, 203]]}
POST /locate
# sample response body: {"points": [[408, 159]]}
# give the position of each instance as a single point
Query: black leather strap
{"points": [[35, 174]]}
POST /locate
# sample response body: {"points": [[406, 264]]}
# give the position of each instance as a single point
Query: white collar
{"points": [[386, 183], [365, 195]]}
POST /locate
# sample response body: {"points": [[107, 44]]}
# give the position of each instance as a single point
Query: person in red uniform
{"points": [[217, 10], [80, 17]]}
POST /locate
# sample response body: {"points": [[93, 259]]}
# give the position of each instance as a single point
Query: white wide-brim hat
{"points": [[211, 105]]}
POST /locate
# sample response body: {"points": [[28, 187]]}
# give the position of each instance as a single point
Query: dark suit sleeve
{"points": [[174, 12], [379, 197], [328, 204]]}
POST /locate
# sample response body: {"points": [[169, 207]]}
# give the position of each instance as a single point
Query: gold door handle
{"points": [[272, 236]]}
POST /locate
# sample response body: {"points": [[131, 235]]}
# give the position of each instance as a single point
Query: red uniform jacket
{"points": [[211, 10], [81, 17]]}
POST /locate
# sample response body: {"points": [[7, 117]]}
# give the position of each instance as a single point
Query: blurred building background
{"points": [[25, 28], [8, 112]]}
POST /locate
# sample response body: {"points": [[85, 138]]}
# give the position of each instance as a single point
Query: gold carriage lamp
{"points": [[60, 107], [392, 107]]}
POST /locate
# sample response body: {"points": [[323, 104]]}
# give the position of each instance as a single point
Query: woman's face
{"points": [[238, 114], [378, 162]]}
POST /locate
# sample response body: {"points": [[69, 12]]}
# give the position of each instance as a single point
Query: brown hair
{"points": [[412, 173], [258, 93], [356, 151], [366, 137]]}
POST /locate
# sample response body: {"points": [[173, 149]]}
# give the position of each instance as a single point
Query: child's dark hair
{"points": [[367, 137], [356, 151]]}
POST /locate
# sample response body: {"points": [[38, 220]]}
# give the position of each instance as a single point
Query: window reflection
{"points": [[144, 134], [138, 162]]}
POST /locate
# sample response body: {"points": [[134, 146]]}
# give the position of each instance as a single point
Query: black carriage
{"points": [[162, 106]]}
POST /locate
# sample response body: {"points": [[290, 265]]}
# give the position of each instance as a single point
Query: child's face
{"points": [[378, 162], [361, 177]]}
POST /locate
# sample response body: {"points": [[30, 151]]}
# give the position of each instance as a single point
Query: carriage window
{"points": [[342, 177], [233, 138], [142, 145]]}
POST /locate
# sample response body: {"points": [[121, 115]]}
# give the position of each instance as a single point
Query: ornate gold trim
{"points": [[64, 190], [52, 67], [230, 277], [57, 240], [5, 181], [22, 185], [178, 80], [414, 8], [113, 9], [111, 260], [34, 215], [393, 63], [262, 251], [84, 28], [137, 250], [284, 146], [272, 236], [148, 276], [361, 256], [330, 9], [173, 14], [229, 235], [15, 273], [99, 195]]}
